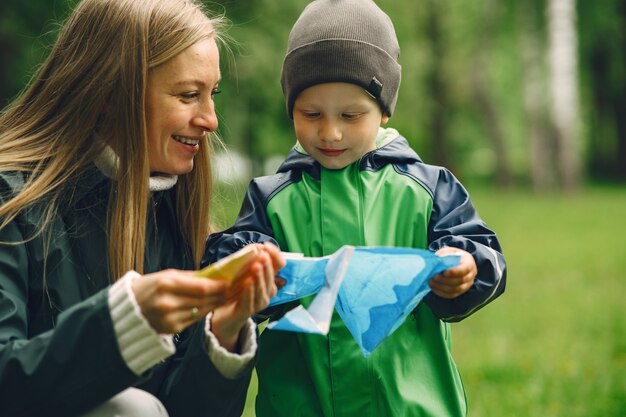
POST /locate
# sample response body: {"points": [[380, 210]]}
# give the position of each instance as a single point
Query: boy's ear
{"points": [[384, 119]]}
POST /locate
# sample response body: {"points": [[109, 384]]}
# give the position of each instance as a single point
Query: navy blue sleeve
{"points": [[455, 222], [251, 226]]}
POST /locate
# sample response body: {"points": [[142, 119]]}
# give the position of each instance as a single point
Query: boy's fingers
{"points": [[446, 291], [462, 272], [442, 292], [451, 287], [450, 281]]}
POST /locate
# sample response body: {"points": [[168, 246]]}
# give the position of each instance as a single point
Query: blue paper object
{"points": [[372, 288], [330, 273]]}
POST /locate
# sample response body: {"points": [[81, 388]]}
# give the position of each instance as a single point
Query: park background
{"points": [[525, 101]]}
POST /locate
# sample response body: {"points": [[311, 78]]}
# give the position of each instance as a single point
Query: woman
{"points": [[105, 186]]}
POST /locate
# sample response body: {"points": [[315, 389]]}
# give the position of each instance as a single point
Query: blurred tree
{"points": [[480, 74], [255, 119], [564, 103], [542, 143], [603, 68], [24, 36], [548, 45], [437, 87], [476, 83]]}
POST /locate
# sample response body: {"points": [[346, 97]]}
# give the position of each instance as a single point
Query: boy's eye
{"points": [[351, 116], [310, 114]]}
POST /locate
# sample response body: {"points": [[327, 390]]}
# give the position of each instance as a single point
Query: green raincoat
{"points": [[388, 198]]}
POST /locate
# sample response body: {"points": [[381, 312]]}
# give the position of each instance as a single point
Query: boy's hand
{"points": [[454, 281]]}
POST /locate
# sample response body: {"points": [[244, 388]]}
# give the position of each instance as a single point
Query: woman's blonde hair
{"points": [[90, 92]]}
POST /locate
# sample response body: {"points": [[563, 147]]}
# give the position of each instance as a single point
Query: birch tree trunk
{"points": [[541, 140], [484, 96], [562, 59]]}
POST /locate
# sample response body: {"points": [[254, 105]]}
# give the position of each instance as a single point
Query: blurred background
{"points": [[525, 101]]}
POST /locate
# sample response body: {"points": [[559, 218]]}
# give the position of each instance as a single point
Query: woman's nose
{"points": [[206, 118]]}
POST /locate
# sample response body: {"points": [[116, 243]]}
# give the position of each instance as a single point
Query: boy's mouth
{"points": [[332, 152]]}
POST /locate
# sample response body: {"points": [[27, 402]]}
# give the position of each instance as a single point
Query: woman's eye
{"points": [[189, 96], [215, 92]]}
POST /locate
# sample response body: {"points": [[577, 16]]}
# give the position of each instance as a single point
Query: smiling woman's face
{"points": [[180, 107]]}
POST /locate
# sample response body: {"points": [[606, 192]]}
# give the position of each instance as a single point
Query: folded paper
{"points": [[230, 267], [373, 289]]}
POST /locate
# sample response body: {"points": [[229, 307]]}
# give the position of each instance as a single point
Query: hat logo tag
{"points": [[375, 88]]}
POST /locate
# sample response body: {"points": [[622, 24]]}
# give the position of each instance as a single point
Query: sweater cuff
{"points": [[140, 346], [227, 363]]}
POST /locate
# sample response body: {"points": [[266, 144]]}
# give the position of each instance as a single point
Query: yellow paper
{"points": [[230, 267]]}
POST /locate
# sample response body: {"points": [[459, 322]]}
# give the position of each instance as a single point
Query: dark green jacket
{"points": [[388, 198], [58, 351]]}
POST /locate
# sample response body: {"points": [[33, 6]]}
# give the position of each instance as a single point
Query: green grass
{"points": [[555, 343]]}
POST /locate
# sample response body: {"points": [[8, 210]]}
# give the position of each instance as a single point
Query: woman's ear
{"points": [[384, 119]]}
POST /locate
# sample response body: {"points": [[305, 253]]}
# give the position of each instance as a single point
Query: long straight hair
{"points": [[90, 92]]}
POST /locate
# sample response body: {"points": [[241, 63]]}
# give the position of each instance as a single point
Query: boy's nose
{"points": [[329, 132]]}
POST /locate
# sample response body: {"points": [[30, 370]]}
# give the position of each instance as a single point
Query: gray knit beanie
{"points": [[349, 41]]}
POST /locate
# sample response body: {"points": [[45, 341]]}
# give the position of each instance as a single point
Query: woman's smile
{"points": [[189, 145]]}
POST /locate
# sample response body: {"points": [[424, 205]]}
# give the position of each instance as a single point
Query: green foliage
{"points": [[474, 40], [602, 41], [27, 29]]}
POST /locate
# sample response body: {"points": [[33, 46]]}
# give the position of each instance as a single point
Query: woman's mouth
{"points": [[186, 141]]}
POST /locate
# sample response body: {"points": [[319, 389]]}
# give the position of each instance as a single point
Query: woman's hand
{"points": [[454, 281], [249, 294], [172, 299]]}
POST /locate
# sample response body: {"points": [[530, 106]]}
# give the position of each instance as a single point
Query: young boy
{"points": [[349, 181]]}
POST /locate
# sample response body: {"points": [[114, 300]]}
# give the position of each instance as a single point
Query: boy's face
{"points": [[337, 123]]}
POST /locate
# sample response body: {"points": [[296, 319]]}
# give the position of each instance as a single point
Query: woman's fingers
{"points": [[261, 275], [278, 261], [171, 300], [269, 285]]}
